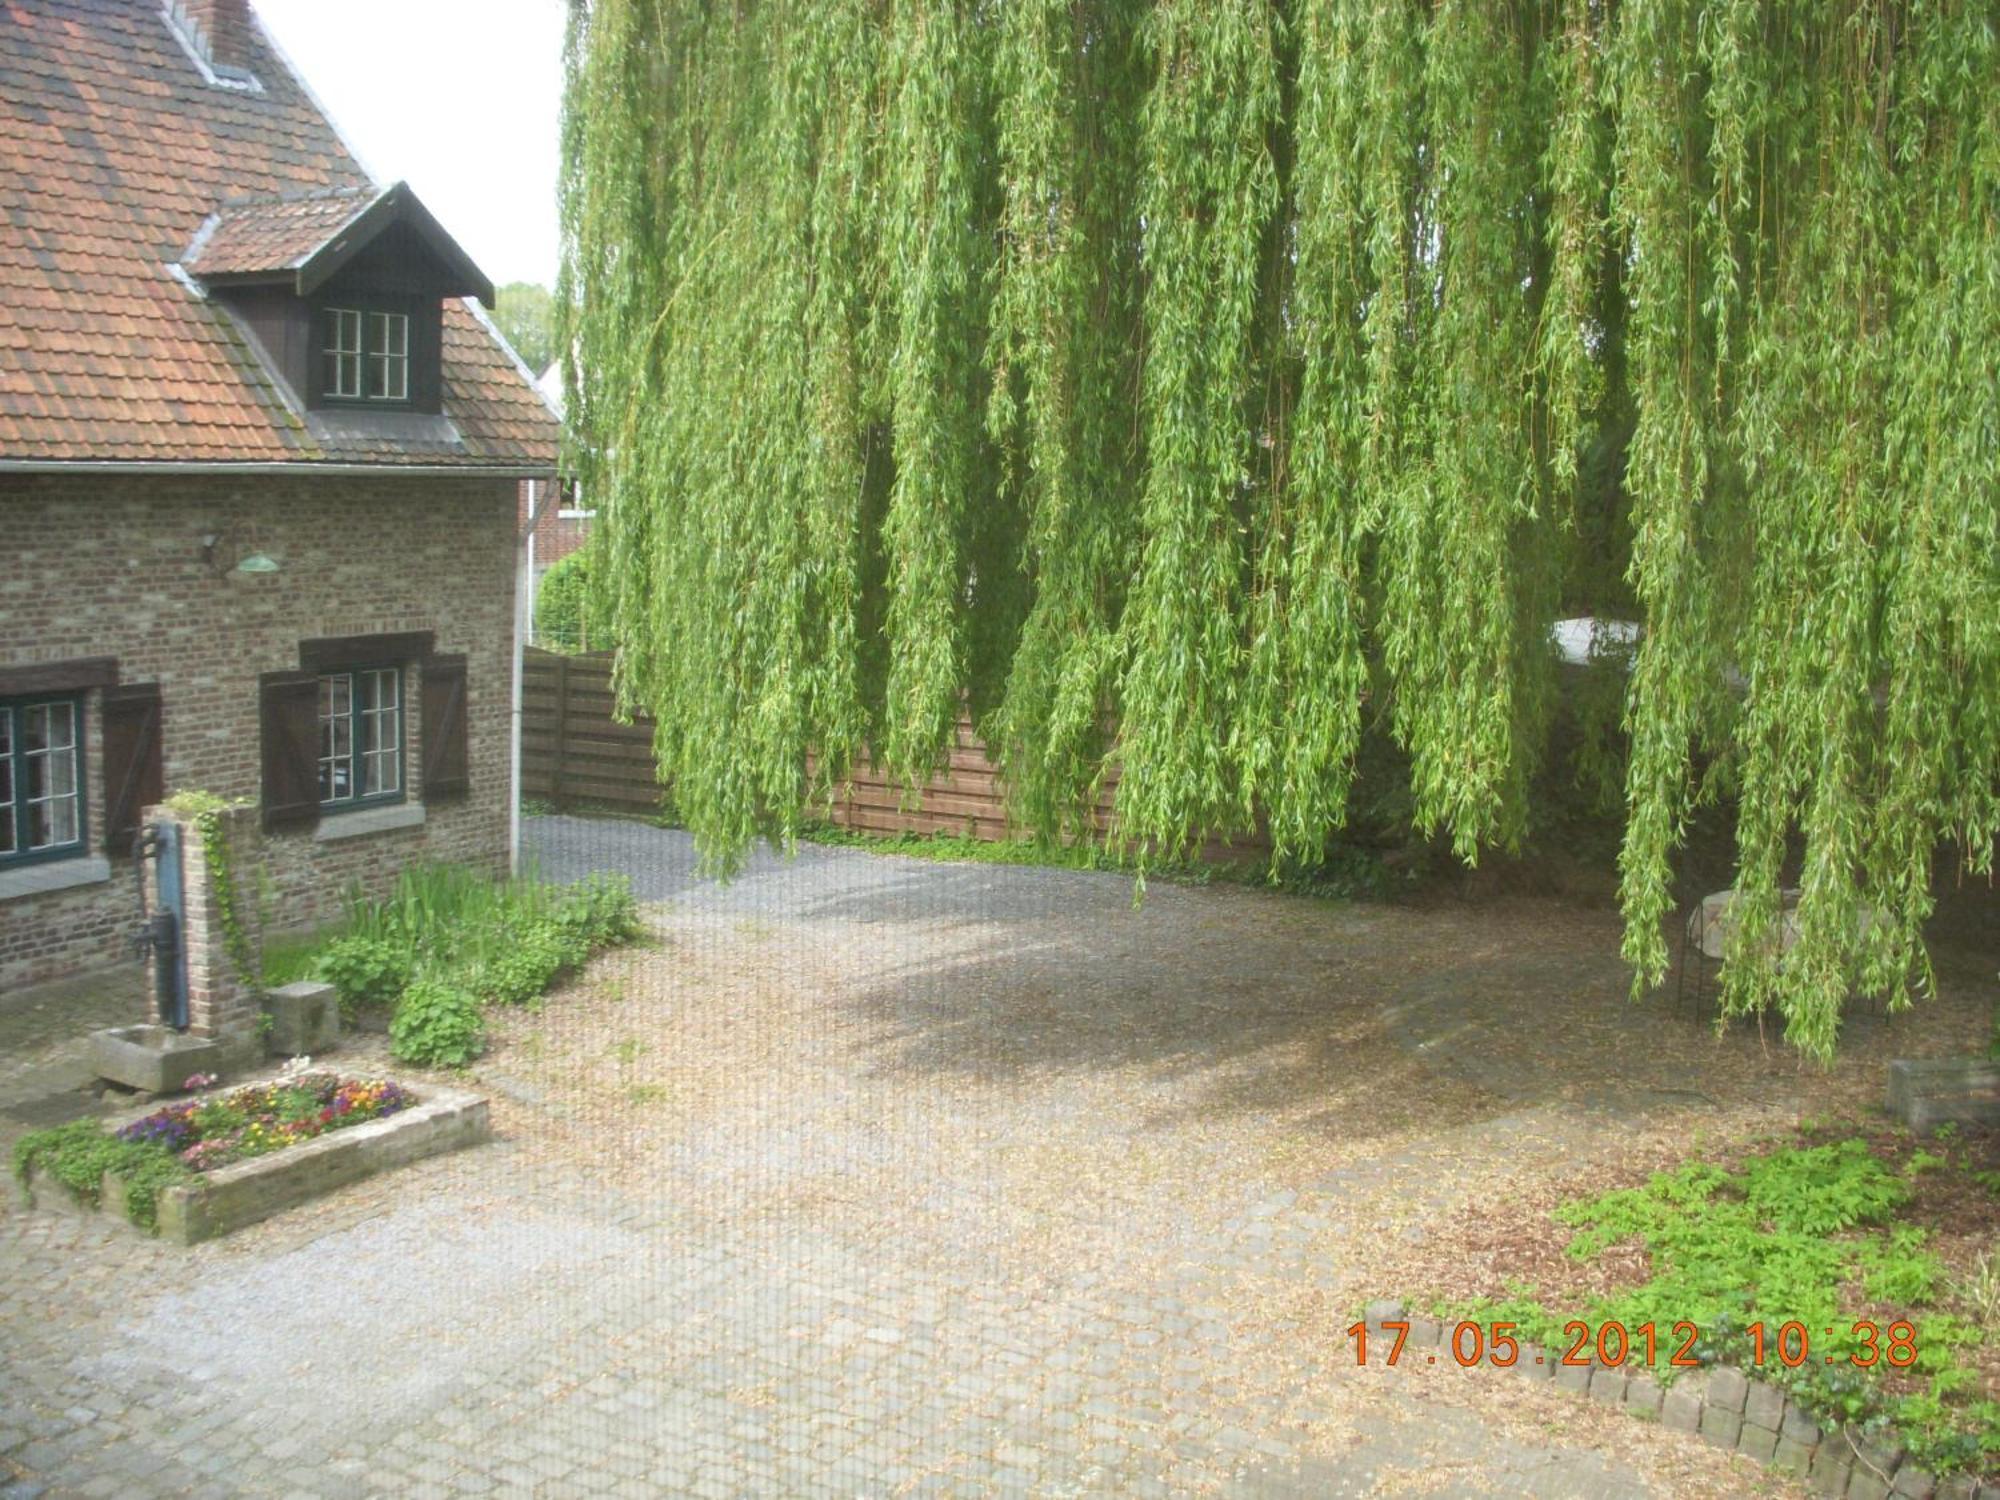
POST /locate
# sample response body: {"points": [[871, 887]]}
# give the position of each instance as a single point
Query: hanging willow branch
{"points": [[1184, 387]]}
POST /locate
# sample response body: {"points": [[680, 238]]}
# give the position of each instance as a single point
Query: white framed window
{"points": [[389, 356], [360, 736], [343, 353], [367, 355], [41, 780]]}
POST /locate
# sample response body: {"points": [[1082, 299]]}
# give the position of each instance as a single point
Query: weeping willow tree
{"points": [[1186, 384]]}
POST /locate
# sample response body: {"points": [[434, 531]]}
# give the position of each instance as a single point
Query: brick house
{"points": [[260, 458]]}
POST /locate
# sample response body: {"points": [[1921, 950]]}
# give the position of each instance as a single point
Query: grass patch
{"points": [[1868, 1242]]}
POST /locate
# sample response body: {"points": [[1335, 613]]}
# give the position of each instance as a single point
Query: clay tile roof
{"points": [[273, 234], [119, 150]]}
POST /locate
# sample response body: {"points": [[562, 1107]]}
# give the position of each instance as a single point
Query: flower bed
{"points": [[204, 1167], [203, 1134]]}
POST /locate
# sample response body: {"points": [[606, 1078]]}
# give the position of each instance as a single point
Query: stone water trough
{"points": [[228, 1198]]}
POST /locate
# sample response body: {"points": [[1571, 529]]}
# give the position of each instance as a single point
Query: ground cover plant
{"points": [[1881, 1249], [190, 1136], [448, 941]]}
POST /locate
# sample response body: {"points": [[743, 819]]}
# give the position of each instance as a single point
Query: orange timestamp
{"points": [[1865, 1344]]}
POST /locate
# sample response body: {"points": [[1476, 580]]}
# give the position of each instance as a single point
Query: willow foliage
{"points": [[1185, 385]]}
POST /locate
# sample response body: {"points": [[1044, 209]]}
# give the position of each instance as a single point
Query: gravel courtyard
{"points": [[867, 1176]]}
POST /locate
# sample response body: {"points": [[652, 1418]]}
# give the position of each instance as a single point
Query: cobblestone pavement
{"points": [[869, 1177]]}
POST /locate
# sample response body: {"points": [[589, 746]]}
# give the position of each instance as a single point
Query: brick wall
{"points": [[104, 565], [556, 535]]}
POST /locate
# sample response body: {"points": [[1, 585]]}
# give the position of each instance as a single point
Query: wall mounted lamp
{"points": [[255, 561]]}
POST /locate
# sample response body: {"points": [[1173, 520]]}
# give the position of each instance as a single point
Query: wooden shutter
{"points": [[289, 722], [132, 777], [445, 762]]}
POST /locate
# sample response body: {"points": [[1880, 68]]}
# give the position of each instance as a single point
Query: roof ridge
{"points": [[307, 195]]}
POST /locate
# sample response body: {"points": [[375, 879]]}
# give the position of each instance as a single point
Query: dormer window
{"points": [[367, 355], [343, 291]]}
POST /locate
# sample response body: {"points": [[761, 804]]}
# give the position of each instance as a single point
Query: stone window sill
{"points": [[369, 820], [56, 875]]}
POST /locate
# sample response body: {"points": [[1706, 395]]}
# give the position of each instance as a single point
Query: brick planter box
{"points": [[228, 1198]]}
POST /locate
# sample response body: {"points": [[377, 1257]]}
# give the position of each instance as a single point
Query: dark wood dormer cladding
{"points": [[314, 277]]}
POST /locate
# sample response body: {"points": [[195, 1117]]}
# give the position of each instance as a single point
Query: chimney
{"points": [[219, 33]]}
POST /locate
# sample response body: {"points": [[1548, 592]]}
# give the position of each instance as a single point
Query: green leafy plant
{"points": [[79, 1154], [538, 956], [569, 615], [364, 971], [598, 909], [437, 1024], [1780, 1240]]}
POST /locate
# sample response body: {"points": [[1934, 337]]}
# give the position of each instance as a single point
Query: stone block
{"points": [[1764, 1406], [1913, 1483], [1793, 1456], [1832, 1467], [1722, 1428], [1608, 1385], [1727, 1389], [1866, 1484], [1382, 1310], [1644, 1396], [1573, 1377], [1882, 1454], [305, 1019], [155, 1059], [1681, 1408], [1425, 1333], [1799, 1425], [1957, 1487], [1534, 1363], [1760, 1443], [1927, 1092]]}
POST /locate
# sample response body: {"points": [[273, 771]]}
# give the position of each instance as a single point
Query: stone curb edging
{"points": [[243, 1193], [1723, 1406]]}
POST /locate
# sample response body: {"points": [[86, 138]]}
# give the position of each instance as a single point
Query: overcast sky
{"points": [[461, 98]]}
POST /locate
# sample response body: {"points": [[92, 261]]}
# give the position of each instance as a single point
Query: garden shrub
{"points": [[538, 956], [449, 928], [437, 1024], [569, 616], [365, 971], [601, 910]]}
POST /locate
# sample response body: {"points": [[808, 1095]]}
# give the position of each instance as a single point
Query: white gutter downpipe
{"points": [[540, 493], [524, 603]]}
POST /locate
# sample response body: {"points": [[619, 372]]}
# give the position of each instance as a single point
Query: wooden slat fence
{"points": [[573, 751], [965, 797]]}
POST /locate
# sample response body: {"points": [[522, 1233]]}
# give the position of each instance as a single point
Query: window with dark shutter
{"points": [[289, 738], [132, 775], [446, 771]]}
